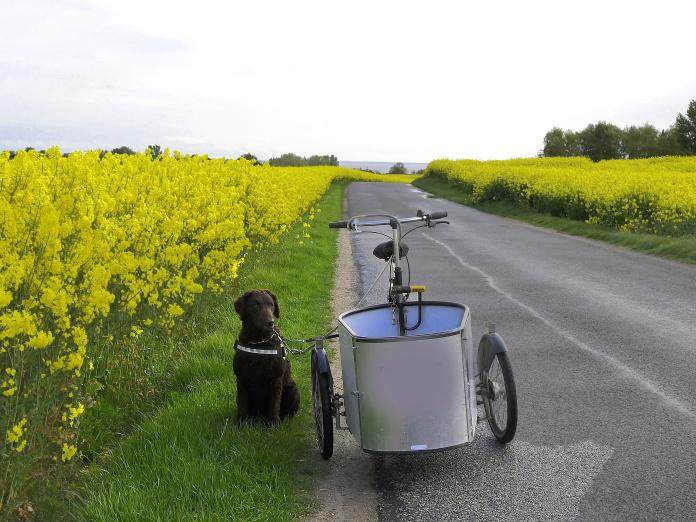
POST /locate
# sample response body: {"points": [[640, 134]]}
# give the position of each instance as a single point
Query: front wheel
{"points": [[321, 402], [500, 398]]}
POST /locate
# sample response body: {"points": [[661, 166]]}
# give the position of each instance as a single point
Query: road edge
{"points": [[345, 485]]}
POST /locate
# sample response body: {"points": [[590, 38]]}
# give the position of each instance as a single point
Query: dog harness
{"points": [[278, 351]]}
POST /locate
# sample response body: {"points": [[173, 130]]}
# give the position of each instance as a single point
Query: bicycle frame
{"points": [[393, 381], [398, 293]]}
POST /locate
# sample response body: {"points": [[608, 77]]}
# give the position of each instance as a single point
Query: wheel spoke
{"points": [[322, 391], [498, 402], [499, 398]]}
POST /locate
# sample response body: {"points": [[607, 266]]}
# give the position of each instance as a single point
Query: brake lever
{"points": [[433, 223]]}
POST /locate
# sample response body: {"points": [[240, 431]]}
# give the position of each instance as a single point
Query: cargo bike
{"points": [[412, 381]]}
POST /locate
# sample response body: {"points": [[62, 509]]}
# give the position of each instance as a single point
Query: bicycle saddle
{"points": [[386, 249]]}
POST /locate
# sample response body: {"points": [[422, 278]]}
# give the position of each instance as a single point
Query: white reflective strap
{"points": [[262, 351]]}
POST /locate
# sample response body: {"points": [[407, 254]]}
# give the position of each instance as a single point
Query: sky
{"points": [[376, 80]]}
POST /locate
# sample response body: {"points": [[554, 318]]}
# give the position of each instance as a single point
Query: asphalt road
{"points": [[602, 342]]}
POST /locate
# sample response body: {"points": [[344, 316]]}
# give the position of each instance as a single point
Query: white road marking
{"points": [[621, 368]]}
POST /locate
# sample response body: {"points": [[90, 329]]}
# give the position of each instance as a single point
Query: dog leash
{"points": [[330, 334], [312, 340]]}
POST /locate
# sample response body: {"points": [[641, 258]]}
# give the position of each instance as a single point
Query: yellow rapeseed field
{"points": [[656, 195], [96, 248]]}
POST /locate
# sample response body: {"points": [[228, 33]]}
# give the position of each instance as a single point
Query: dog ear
{"points": [[276, 308], [240, 304]]}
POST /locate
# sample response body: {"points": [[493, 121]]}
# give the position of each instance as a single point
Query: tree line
{"points": [[602, 140], [285, 160], [293, 160], [155, 150]]}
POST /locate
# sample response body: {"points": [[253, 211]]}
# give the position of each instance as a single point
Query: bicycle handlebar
{"points": [[373, 223]]}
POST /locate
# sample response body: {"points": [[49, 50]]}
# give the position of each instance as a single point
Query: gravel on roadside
{"points": [[346, 485]]}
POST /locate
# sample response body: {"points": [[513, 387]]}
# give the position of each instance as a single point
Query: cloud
{"points": [[134, 42], [71, 136], [454, 79], [188, 140]]}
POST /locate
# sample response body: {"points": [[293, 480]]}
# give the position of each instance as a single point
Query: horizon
{"points": [[260, 159]]}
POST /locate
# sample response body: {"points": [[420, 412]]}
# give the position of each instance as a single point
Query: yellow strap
{"points": [[418, 288]]}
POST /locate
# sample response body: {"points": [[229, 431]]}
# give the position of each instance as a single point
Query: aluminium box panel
{"points": [[408, 393]]}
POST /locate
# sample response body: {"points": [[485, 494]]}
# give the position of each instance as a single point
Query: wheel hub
{"points": [[495, 391]]}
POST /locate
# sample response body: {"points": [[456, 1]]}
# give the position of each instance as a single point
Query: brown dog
{"points": [[265, 387]]}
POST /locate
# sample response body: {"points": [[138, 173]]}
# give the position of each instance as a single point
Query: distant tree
{"points": [[558, 142], [639, 142], [573, 143], [606, 141], [600, 141], [323, 160], [288, 160], [668, 143], [123, 150], [27, 149], [155, 150], [554, 143], [293, 160], [398, 168], [250, 157], [685, 128]]}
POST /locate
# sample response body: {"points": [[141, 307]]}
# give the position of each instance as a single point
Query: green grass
{"points": [[676, 248], [178, 452]]}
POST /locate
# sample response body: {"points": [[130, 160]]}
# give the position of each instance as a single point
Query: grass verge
{"points": [[675, 248], [182, 456]]}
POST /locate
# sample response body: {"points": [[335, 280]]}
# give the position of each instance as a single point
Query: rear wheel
{"points": [[321, 401], [500, 398]]}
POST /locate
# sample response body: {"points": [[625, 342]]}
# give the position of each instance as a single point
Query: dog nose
{"points": [[270, 323]]}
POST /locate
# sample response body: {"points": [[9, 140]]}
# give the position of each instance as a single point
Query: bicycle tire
{"points": [[503, 427], [321, 403]]}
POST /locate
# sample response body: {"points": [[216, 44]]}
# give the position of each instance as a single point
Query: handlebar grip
{"points": [[338, 224], [438, 215]]}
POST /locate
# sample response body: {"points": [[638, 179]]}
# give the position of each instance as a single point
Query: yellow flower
{"points": [[68, 452], [5, 298], [174, 310], [41, 340], [94, 245], [73, 413], [17, 431], [9, 385], [135, 331], [15, 323]]}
